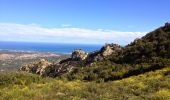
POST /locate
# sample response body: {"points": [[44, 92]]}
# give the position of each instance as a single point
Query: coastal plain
{"points": [[12, 60]]}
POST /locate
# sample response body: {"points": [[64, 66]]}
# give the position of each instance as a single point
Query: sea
{"points": [[63, 48]]}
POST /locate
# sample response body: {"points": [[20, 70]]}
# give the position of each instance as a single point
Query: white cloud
{"points": [[66, 25], [35, 33]]}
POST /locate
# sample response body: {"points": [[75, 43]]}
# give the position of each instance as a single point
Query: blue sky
{"points": [[106, 20]]}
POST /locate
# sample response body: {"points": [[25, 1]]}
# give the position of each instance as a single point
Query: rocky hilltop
{"points": [[104, 52], [79, 58], [151, 52]]}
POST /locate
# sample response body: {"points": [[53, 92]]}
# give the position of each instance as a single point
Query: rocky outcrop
{"points": [[109, 49], [46, 68], [79, 55], [41, 67], [104, 52], [79, 58]]}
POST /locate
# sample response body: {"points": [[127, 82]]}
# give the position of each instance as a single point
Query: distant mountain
{"points": [[112, 61]]}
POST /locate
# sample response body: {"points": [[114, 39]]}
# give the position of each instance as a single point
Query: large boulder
{"points": [[109, 49], [79, 55]]}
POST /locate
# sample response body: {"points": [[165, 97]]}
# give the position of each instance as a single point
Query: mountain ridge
{"points": [[150, 52]]}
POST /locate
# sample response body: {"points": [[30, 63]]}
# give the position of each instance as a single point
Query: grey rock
{"points": [[79, 55]]}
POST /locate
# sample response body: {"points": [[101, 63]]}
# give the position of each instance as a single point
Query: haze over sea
{"points": [[47, 47]]}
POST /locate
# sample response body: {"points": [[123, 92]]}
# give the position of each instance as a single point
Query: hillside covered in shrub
{"points": [[153, 85], [111, 62]]}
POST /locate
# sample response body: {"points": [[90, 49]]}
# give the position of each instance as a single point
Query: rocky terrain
{"points": [[46, 68]]}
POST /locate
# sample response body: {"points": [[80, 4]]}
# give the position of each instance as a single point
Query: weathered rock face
{"points": [[109, 49], [104, 52], [79, 55], [45, 68], [41, 67]]}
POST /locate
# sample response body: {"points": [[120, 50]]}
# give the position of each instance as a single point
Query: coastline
{"points": [[14, 54], [30, 51], [59, 48], [11, 60], [23, 55]]}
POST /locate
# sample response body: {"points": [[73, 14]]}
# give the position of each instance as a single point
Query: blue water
{"points": [[47, 47]]}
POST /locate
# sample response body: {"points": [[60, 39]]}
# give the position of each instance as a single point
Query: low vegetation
{"points": [[153, 85], [109, 71]]}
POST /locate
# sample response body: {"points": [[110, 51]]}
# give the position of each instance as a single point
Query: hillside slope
{"points": [[154, 45], [112, 61], [140, 70], [153, 85]]}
